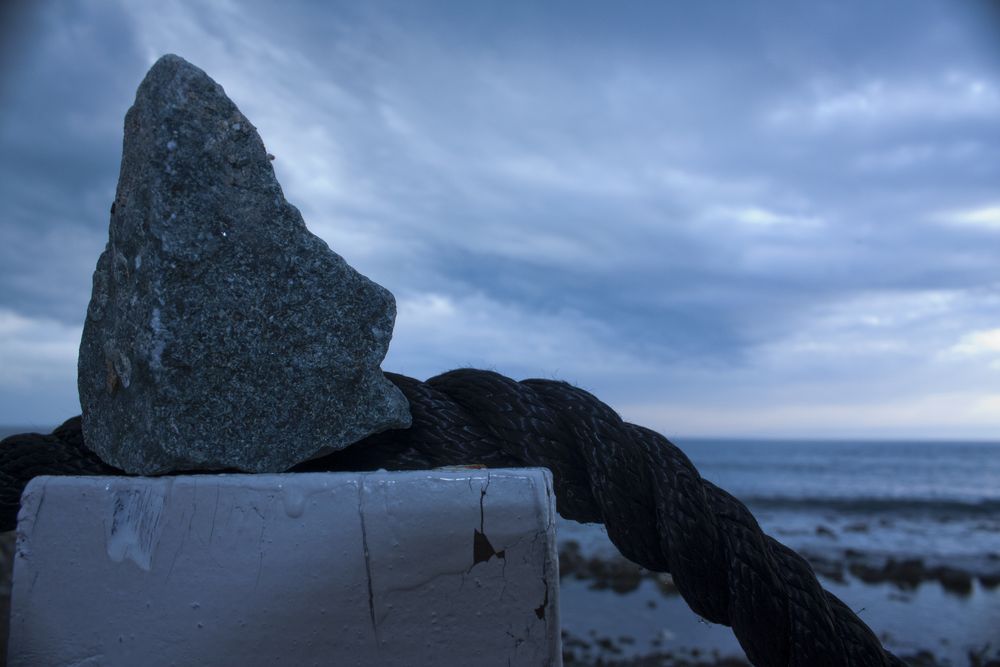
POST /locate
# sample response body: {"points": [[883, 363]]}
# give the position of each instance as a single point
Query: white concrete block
{"points": [[445, 567]]}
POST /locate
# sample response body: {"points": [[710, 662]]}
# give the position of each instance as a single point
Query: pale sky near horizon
{"points": [[732, 219]]}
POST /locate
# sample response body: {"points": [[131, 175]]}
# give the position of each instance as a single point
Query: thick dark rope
{"points": [[656, 507]]}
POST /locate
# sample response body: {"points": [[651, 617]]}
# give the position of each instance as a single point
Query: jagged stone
{"points": [[221, 333]]}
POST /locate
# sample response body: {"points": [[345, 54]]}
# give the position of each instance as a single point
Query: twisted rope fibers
{"points": [[656, 508]]}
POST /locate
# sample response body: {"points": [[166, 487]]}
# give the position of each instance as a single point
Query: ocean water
{"points": [[854, 505], [939, 501]]}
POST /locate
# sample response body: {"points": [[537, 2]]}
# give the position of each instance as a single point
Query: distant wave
{"points": [[879, 505]]}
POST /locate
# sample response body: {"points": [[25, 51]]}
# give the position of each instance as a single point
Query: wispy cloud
{"points": [[38, 357], [908, 156], [948, 415], [950, 96], [985, 217], [749, 236], [979, 343], [760, 217], [34, 348]]}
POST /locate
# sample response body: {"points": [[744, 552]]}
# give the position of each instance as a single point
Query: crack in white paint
{"points": [[368, 561]]}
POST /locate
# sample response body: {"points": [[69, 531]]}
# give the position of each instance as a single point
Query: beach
{"points": [[906, 533]]}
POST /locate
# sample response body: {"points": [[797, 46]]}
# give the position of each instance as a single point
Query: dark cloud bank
{"points": [[757, 219]]}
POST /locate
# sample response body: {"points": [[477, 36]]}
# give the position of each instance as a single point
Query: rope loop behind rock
{"points": [[657, 509]]}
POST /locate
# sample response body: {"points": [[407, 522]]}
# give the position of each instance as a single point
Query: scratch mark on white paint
{"points": [[135, 524]]}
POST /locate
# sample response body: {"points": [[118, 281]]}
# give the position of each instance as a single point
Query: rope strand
{"points": [[657, 509]]}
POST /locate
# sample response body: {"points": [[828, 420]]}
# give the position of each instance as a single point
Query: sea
{"points": [[907, 533]]}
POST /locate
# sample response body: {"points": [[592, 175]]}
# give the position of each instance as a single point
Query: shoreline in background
{"points": [[906, 533], [617, 613], [700, 440], [681, 441]]}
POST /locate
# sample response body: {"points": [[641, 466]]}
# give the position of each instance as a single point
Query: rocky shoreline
{"points": [[623, 576], [601, 653], [614, 573], [904, 573]]}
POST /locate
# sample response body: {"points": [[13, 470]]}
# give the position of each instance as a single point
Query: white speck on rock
{"points": [[159, 342]]}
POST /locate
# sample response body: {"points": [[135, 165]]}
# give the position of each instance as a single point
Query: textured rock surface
{"points": [[221, 333]]}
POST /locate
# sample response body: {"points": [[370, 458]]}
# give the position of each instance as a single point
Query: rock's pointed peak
{"points": [[172, 79], [172, 61], [221, 333]]}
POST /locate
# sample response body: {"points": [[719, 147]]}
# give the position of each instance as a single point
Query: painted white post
{"points": [[443, 567]]}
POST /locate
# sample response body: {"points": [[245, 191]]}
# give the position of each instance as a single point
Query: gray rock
{"points": [[221, 333]]}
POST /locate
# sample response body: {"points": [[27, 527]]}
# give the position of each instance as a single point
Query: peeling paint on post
{"points": [[447, 567]]}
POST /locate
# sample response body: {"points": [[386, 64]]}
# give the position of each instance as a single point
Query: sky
{"points": [[753, 219]]}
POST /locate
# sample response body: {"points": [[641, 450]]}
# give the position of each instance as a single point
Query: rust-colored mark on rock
{"points": [[111, 378]]}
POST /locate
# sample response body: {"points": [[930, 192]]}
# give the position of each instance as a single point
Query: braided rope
{"points": [[657, 509]]}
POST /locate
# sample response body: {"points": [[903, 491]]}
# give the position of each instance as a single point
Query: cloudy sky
{"points": [[757, 219]]}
